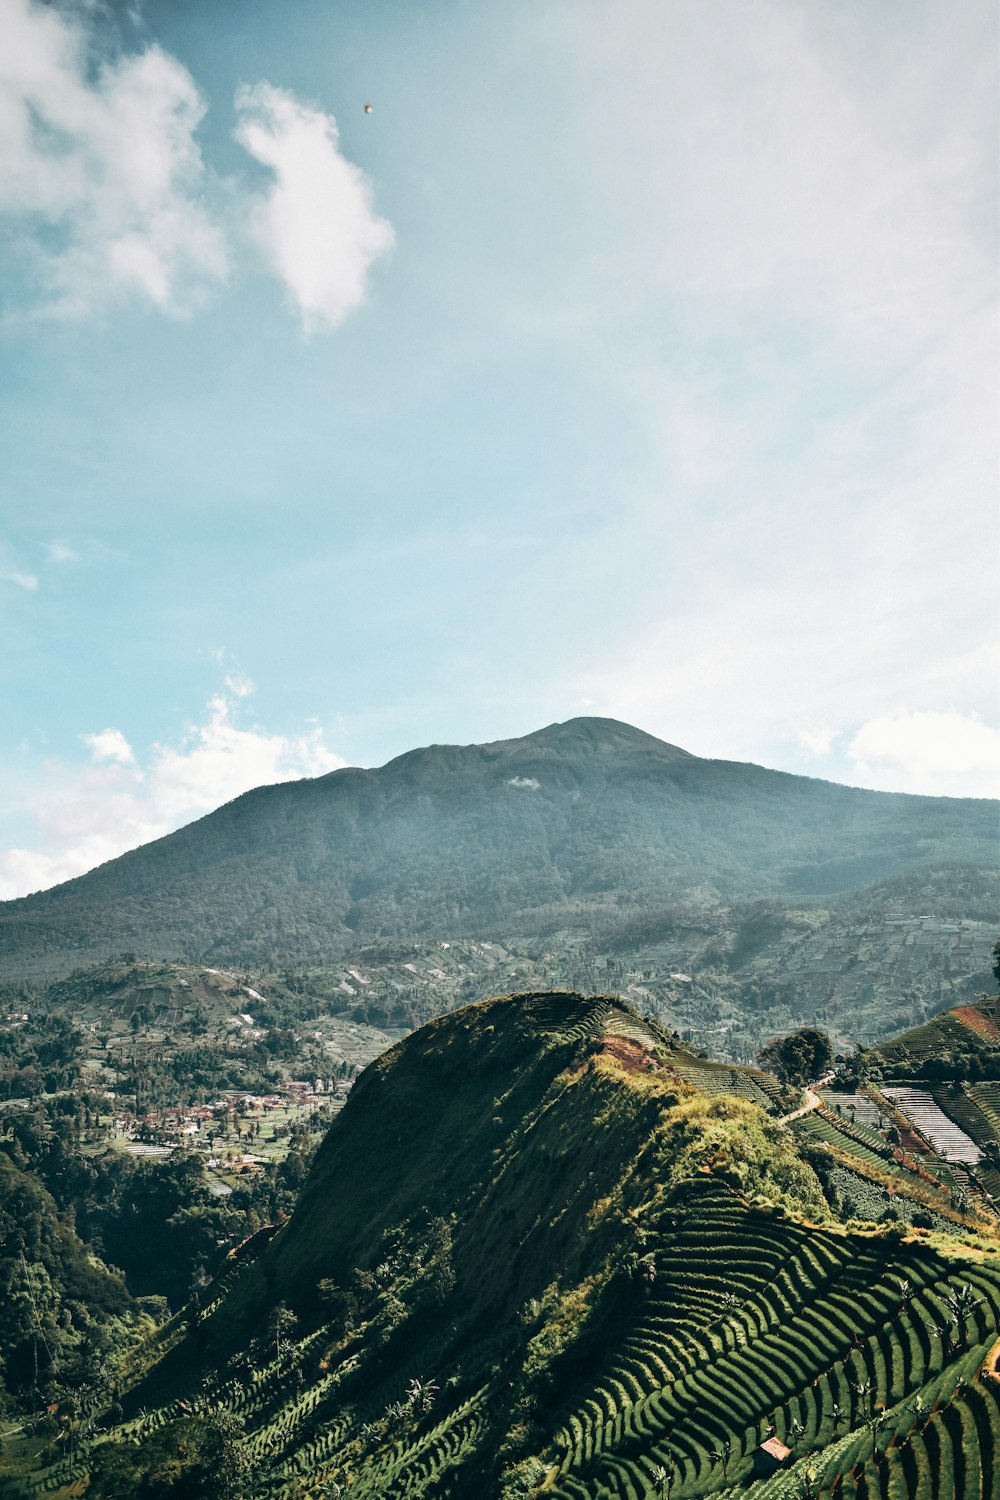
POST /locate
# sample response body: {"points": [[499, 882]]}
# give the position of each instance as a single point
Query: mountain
{"points": [[580, 824], [545, 1251]]}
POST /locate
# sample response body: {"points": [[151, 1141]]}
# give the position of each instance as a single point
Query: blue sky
{"points": [[630, 358]]}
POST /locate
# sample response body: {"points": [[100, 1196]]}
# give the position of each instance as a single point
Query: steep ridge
{"points": [[531, 1259], [579, 824]]}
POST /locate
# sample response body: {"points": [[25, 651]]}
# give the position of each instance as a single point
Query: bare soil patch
{"points": [[633, 1057], [976, 1021]]}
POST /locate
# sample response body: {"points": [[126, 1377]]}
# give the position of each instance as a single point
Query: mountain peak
{"points": [[603, 734]]}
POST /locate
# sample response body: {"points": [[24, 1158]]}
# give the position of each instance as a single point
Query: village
{"points": [[239, 1132]]}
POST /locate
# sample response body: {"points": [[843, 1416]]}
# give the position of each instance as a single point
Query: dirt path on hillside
{"points": [[813, 1101]]}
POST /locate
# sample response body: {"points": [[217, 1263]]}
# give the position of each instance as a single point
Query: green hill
{"points": [[533, 1257], [962, 1042], [579, 826]]}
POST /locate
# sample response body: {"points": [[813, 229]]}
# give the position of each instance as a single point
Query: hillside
{"points": [[60, 1307], [581, 825], [725, 978], [535, 1257], [962, 1042]]}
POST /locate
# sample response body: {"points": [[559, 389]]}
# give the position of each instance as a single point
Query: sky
{"points": [[634, 358]]}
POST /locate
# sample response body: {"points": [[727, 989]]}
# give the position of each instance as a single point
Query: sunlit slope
{"points": [[578, 824], [961, 1042], [532, 1259]]}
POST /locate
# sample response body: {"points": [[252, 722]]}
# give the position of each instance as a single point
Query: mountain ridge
{"points": [[557, 828]]}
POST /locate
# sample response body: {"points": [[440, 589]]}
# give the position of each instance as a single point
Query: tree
{"points": [[229, 1464], [663, 1479], [798, 1057], [962, 1303], [721, 1455], [874, 1419], [335, 1302], [281, 1325]]}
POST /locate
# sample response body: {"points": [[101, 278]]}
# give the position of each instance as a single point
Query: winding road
{"points": [[813, 1101]]}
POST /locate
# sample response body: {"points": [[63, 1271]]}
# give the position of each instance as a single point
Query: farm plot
{"points": [[857, 1108], [756, 1325], [948, 1139], [831, 1130], [978, 1021], [716, 1082], [855, 1197], [959, 1106], [987, 1096]]}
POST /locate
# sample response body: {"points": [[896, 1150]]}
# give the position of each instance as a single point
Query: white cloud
{"points": [[739, 668], [817, 742], [770, 152], [103, 183], [947, 753], [796, 203], [110, 744], [100, 168], [526, 783], [316, 223], [59, 551], [86, 815], [239, 684], [27, 581]]}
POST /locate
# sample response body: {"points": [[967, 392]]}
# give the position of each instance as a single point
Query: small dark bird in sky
{"points": [[368, 108]]}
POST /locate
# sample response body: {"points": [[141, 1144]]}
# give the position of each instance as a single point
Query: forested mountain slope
{"points": [[582, 823], [535, 1257]]}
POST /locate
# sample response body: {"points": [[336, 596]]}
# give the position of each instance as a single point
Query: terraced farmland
{"points": [[857, 1109], [959, 1105], [798, 1332], [927, 1180], [987, 1096], [532, 1261], [608, 1016], [755, 1325], [947, 1138], [966, 1038], [821, 1125]]}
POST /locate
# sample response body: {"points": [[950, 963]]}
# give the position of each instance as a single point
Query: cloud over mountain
{"points": [[87, 814]]}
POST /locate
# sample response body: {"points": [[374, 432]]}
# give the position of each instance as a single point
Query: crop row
{"points": [[819, 1125], [805, 1354], [716, 1082]]}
